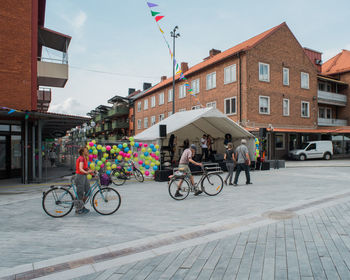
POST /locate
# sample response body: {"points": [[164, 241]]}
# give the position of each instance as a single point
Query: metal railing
{"points": [[333, 97], [332, 122]]}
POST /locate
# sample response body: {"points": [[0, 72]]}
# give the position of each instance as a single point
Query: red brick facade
{"points": [[16, 51]]}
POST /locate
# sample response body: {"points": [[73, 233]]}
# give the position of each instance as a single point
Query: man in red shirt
{"points": [[81, 181]]}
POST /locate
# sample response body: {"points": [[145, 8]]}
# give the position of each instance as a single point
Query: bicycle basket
{"points": [[179, 174], [105, 180]]}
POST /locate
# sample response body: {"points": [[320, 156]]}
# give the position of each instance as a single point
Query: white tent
{"points": [[193, 124]]}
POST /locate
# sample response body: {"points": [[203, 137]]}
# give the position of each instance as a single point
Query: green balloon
{"points": [[103, 149]]}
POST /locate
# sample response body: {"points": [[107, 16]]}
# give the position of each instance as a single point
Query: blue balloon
{"points": [[116, 161], [90, 151], [129, 168], [137, 144], [151, 146], [147, 166], [108, 172], [120, 146], [143, 164], [126, 149], [154, 150], [89, 163], [146, 154], [155, 167]]}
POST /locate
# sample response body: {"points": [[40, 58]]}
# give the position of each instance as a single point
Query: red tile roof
{"points": [[246, 45], [337, 64]]}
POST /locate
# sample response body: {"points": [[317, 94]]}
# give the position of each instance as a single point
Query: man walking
{"points": [[204, 146], [243, 162]]}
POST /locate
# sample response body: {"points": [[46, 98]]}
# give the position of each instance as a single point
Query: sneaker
{"points": [[178, 194], [235, 185], [230, 184], [197, 192], [82, 211], [85, 210], [249, 183]]}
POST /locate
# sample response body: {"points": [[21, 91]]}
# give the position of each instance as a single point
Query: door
{"points": [[311, 151], [5, 163]]}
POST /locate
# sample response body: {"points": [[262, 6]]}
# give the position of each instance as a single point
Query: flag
{"points": [[158, 18], [154, 13], [161, 30], [11, 111], [151, 4]]}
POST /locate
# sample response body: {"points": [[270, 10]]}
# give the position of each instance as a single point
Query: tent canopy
{"points": [[193, 124]]}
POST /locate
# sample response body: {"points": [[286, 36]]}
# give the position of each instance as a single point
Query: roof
{"points": [[323, 130], [330, 80], [337, 64], [118, 98], [244, 46]]}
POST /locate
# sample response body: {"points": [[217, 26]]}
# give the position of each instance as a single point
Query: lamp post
{"points": [[175, 35]]}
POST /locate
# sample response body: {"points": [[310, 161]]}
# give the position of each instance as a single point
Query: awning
{"points": [[324, 130], [53, 40], [331, 80]]}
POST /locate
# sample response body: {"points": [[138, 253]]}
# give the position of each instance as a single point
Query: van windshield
{"points": [[303, 146]]}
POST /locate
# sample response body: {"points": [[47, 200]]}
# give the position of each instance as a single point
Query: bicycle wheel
{"points": [[212, 184], [58, 202], [107, 201], [138, 175], [184, 190], [118, 177]]}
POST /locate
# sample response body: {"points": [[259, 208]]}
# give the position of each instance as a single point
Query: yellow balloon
{"points": [[89, 177]]}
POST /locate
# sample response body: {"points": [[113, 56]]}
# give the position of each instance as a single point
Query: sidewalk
{"points": [[318, 163]]}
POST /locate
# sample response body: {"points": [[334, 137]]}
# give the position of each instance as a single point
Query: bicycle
{"points": [[211, 182], [120, 175], [58, 201]]}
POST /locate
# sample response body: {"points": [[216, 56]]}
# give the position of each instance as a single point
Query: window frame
{"points": [[195, 85], [308, 109], [213, 81], [283, 113], [268, 107], [301, 80], [161, 98], [230, 98], [145, 120], [139, 106], [163, 117], [153, 101], [153, 120], [283, 72], [183, 87], [268, 72], [212, 102], [139, 124], [283, 141], [232, 72], [195, 107], [145, 104], [182, 110], [170, 99]]}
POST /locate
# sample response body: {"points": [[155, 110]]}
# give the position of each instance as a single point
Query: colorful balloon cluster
{"points": [[147, 157], [257, 151]]}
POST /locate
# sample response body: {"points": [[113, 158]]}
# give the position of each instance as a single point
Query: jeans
{"points": [[240, 167], [205, 154], [230, 167]]}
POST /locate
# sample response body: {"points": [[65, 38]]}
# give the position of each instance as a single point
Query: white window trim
{"points": [[182, 110], [301, 80], [210, 75], [285, 68], [284, 141], [268, 108], [160, 119], [139, 124], [170, 99], [234, 78], [285, 115], [209, 103], [161, 100], [184, 91], [153, 120], [196, 107], [144, 122], [268, 72], [231, 114], [170, 113], [139, 106], [194, 88], [308, 109], [153, 101], [145, 107]]}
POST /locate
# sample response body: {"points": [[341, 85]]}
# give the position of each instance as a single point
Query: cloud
{"points": [[79, 20], [70, 106]]}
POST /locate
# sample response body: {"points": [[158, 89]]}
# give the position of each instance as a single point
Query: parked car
{"points": [[313, 149]]}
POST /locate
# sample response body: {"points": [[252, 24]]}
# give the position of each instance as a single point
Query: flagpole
{"points": [[174, 35]]}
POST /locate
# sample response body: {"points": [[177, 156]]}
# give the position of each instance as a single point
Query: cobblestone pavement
{"points": [[311, 246]]}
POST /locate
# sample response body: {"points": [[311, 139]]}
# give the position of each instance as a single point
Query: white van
{"points": [[313, 149]]}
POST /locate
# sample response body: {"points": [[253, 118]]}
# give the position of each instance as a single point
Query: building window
{"points": [[145, 123], [211, 80], [264, 105], [153, 101], [182, 91], [145, 104], [138, 124], [170, 113], [196, 107], [161, 117], [285, 107], [153, 120], [264, 72], [286, 76], [230, 106], [230, 74], [304, 80], [138, 106], [161, 98], [170, 95], [182, 110], [279, 141], [211, 104], [195, 86], [305, 109]]}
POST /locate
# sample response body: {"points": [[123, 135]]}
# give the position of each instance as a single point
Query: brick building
{"points": [[26, 78]]}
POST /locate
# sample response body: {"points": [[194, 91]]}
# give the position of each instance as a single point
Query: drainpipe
{"points": [[240, 89]]}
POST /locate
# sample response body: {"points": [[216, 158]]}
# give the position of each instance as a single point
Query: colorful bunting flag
{"points": [[158, 18], [154, 13], [151, 4]]}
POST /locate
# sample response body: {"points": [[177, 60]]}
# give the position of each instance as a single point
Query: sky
{"points": [[116, 44]]}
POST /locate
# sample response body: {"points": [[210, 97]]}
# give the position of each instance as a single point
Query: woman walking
{"points": [[230, 162]]}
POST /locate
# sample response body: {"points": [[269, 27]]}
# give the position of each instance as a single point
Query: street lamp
{"points": [[175, 35]]}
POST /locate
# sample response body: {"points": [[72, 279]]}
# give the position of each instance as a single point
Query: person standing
{"points": [[230, 162], [243, 162], [81, 181], [204, 146], [52, 156]]}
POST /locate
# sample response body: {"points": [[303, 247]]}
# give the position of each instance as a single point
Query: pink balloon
{"points": [[91, 144], [135, 155], [121, 153], [140, 144], [157, 157], [108, 148], [90, 157], [145, 145], [94, 156], [146, 173], [140, 162], [153, 154], [128, 155], [102, 165]]}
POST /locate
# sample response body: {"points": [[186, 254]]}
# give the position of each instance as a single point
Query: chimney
{"points": [[184, 67], [146, 86], [213, 52], [163, 78], [131, 90]]}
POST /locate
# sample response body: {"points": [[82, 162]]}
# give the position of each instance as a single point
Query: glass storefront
{"points": [[15, 151], [2, 153]]}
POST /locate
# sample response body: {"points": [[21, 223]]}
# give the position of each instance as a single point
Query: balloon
{"points": [[146, 173], [157, 163], [147, 162], [95, 152], [151, 146], [156, 157], [126, 149], [105, 155], [129, 169], [103, 149], [145, 145], [114, 166], [125, 145], [157, 153], [132, 143], [155, 167], [143, 164], [152, 164], [99, 147], [93, 141], [140, 162], [108, 148], [137, 144], [90, 157], [108, 168], [92, 165], [89, 176], [119, 157], [90, 151], [108, 163], [117, 150], [94, 156], [102, 165], [143, 172], [114, 147], [149, 150], [156, 146], [98, 168], [120, 146], [143, 150], [128, 155], [108, 172], [136, 159], [147, 166], [140, 144], [131, 139], [116, 161], [146, 154], [112, 151], [91, 144], [152, 172], [154, 150], [103, 160]]}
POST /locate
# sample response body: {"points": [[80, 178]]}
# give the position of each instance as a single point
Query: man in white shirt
{"points": [[204, 146]]}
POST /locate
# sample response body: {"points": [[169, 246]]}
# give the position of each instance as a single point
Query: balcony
{"points": [[51, 73], [332, 122], [107, 126], [326, 97], [99, 117], [44, 99], [98, 129], [114, 138], [118, 111], [120, 124]]}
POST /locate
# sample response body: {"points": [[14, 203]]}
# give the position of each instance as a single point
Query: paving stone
{"points": [[329, 268], [195, 269], [268, 269]]}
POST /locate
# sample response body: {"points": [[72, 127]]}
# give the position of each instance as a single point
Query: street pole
{"points": [[174, 35]]}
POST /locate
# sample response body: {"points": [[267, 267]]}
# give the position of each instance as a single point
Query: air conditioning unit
{"points": [[318, 61]]}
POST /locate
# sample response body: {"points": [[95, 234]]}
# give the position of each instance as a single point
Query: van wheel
{"points": [[327, 156], [302, 157]]}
